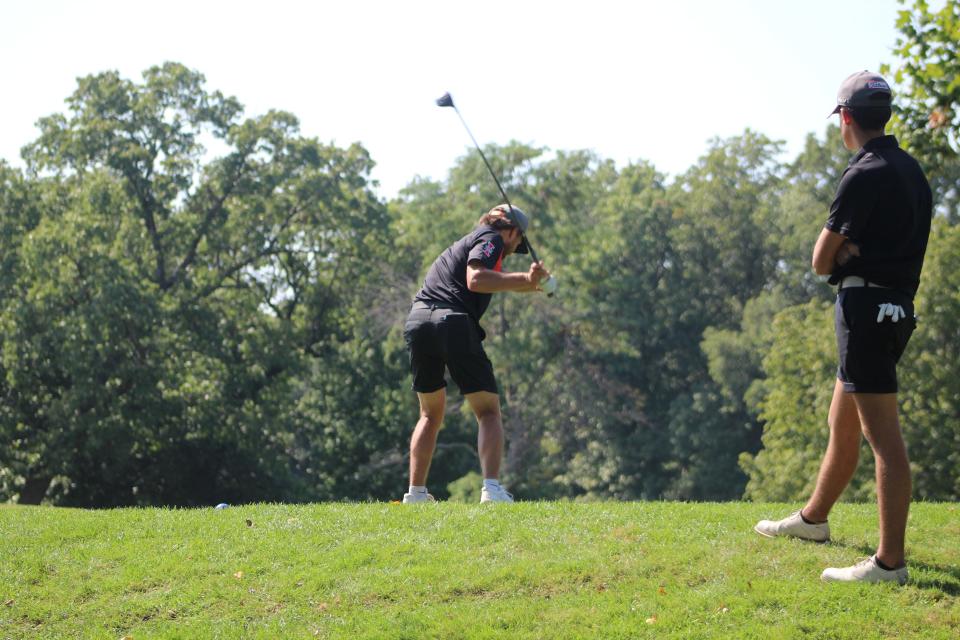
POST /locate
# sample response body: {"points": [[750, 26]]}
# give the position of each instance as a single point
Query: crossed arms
{"points": [[832, 250]]}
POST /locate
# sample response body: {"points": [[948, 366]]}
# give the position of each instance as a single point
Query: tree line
{"points": [[181, 330]]}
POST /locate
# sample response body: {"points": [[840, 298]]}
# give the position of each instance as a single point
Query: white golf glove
{"points": [[549, 285], [889, 310]]}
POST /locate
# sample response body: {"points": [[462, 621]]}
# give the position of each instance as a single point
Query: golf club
{"points": [[446, 100]]}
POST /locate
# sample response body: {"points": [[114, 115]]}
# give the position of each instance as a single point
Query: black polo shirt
{"points": [[446, 280], [884, 206]]}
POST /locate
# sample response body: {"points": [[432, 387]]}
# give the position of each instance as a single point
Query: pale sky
{"points": [[629, 80]]}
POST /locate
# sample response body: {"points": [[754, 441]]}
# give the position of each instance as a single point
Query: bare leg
{"points": [[486, 406], [424, 439], [840, 460], [881, 426]]}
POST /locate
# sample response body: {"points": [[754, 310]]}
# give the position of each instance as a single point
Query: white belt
{"points": [[857, 281]]}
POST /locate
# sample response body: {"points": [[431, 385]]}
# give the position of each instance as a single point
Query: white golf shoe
{"points": [[414, 498], [495, 494], [793, 526], [865, 571]]}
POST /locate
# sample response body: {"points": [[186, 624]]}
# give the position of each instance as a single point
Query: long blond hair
{"points": [[497, 218]]}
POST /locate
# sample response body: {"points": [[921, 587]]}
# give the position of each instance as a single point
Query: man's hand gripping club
{"points": [[483, 280]]}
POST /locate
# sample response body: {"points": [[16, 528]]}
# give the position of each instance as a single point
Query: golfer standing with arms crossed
{"points": [[872, 246], [443, 331]]}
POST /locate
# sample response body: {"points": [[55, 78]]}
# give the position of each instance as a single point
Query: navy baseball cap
{"points": [[863, 89]]}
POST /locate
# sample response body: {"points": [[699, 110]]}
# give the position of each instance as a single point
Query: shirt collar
{"points": [[880, 142]]}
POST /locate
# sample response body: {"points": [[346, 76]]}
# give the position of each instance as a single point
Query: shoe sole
{"points": [[832, 581], [767, 535]]}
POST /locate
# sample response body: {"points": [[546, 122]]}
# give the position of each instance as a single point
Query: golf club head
{"points": [[446, 100]]}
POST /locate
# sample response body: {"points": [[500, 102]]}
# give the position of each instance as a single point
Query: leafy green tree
{"points": [[930, 374], [724, 210], [582, 398], [800, 373], [20, 205], [808, 190], [795, 207], [927, 77], [167, 303], [725, 207]]}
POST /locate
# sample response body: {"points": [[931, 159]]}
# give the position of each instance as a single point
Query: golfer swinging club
{"points": [[443, 330], [872, 246]]}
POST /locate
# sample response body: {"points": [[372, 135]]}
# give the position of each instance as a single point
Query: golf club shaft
{"points": [[533, 254]]}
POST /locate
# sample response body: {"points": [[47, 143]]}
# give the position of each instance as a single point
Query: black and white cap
{"points": [[863, 89]]}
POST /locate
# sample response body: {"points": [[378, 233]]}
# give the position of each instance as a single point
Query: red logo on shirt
{"points": [[487, 248]]}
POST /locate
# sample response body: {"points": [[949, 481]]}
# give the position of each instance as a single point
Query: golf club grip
{"points": [[533, 254], [533, 257]]}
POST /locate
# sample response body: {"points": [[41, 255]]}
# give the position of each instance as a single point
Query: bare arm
{"points": [[483, 280], [832, 249]]}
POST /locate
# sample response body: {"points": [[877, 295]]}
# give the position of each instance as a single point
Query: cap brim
{"points": [[836, 110], [523, 247]]}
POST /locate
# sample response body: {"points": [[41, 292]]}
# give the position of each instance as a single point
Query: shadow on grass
{"points": [[949, 586]]}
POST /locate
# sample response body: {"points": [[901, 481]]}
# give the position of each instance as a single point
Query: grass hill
{"points": [[530, 570]]}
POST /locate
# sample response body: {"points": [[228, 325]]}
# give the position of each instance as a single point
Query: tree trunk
{"points": [[34, 490]]}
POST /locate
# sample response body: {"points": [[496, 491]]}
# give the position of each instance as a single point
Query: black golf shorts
{"points": [[869, 342], [439, 338]]}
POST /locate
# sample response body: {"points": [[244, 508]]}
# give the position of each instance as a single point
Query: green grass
{"points": [[530, 570]]}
